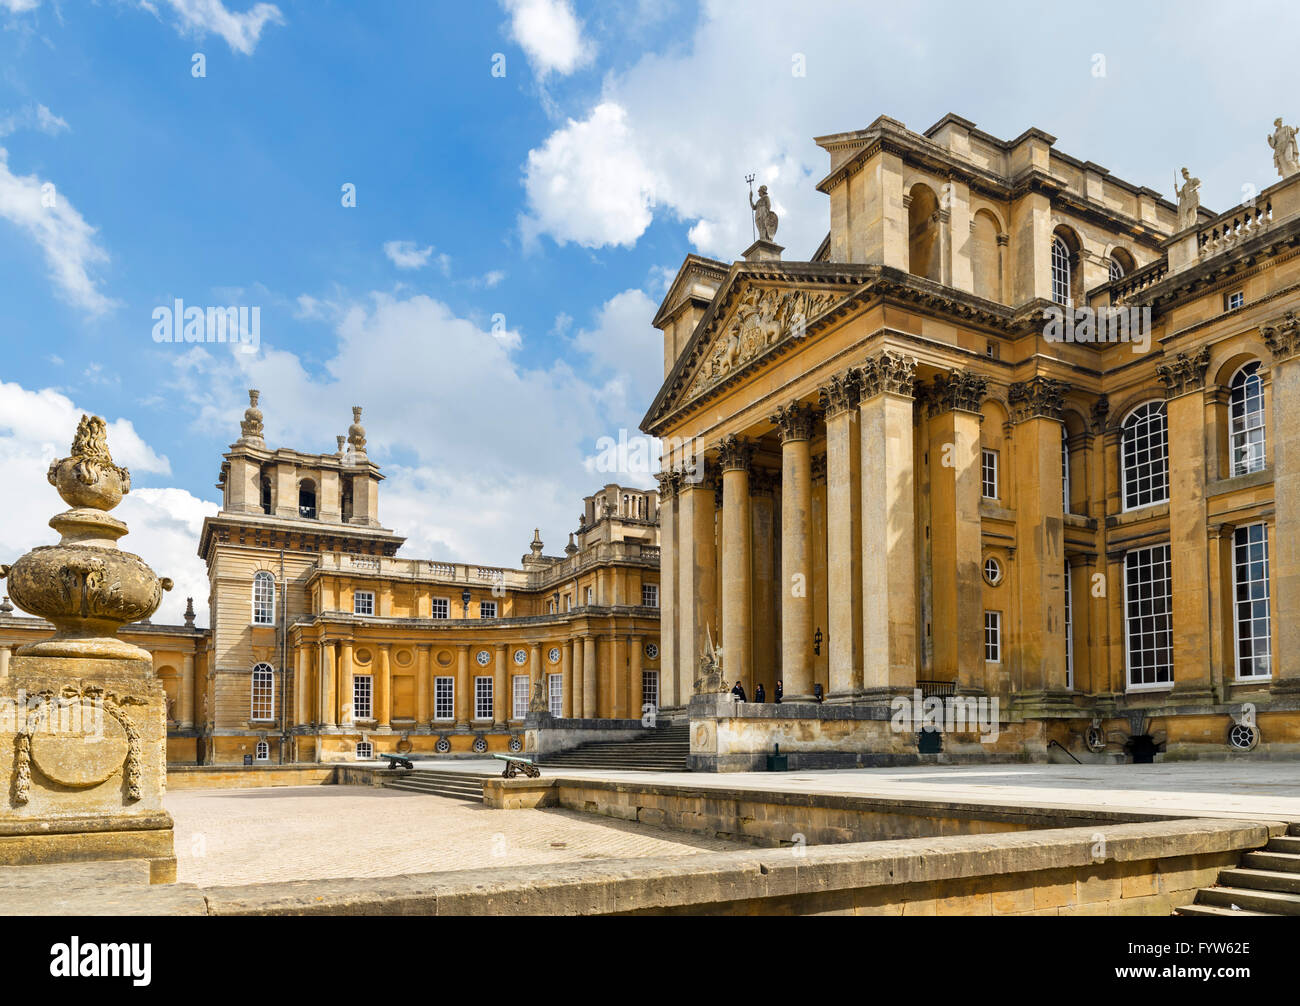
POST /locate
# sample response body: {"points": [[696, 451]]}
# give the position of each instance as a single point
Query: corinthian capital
{"points": [[735, 454], [887, 371], [1039, 397], [793, 422], [841, 393], [959, 391], [1185, 373], [1282, 336]]}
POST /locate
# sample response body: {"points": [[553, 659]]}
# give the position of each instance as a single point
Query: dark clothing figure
{"points": [[779, 693], [759, 694], [739, 692]]}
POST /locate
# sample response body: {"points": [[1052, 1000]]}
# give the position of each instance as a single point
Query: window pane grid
{"points": [[1250, 588], [555, 684], [363, 602], [1060, 271], [263, 599], [1148, 617], [441, 608], [1146, 456], [263, 692], [519, 693], [989, 474], [993, 636], [1246, 415], [444, 698], [483, 698], [362, 691]]}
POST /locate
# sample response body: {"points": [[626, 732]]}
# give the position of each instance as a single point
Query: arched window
{"points": [[1060, 271], [263, 704], [264, 487], [1116, 269], [1246, 420], [307, 499], [1145, 454], [263, 751], [263, 598], [923, 257]]}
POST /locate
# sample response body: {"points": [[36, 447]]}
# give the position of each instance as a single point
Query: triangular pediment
{"points": [[759, 318]]}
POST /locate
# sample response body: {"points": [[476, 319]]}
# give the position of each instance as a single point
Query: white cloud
{"points": [[477, 446], [550, 35], [626, 352], [589, 183], [407, 254], [19, 6], [68, 242], [34, 116], [36, 427], [241, 32]]}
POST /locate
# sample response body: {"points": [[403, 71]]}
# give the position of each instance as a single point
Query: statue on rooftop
{"points": [[1286, 158], [1189, 200], [764, 219]]}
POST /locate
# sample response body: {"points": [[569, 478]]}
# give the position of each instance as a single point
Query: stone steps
{"points": [[665, 750], [1266, 883], [457, 785]]}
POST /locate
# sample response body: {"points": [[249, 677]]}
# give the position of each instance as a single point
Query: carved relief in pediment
{"points": [[764, 317]]}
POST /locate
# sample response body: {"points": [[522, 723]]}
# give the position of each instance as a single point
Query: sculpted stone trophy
{"points": [[83, 733], [1286, 158]]}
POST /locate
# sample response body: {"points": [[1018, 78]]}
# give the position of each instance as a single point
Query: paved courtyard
{"points": [[243, 836]]}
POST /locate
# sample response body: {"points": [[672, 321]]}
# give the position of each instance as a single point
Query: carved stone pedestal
{"points": [[83, 764]]}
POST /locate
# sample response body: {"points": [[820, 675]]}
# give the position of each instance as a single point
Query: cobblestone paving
{"points": [[242, 836]]}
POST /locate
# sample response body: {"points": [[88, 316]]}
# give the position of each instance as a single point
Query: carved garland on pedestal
{"points": [[1186, 373], [1039, 397], [764, 317], [111, 704]]}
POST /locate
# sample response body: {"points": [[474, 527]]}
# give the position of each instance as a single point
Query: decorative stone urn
{"points": [[85, 585]]}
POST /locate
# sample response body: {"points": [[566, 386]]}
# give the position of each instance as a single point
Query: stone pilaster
{"points": [[889, 600], [794, 426], [423, 654], [502, 698], [636, 690], [671, 673], [589, 679], [346, 712], [1036, 411], [325, 681], [696, 575], [463, 700], [1283, 339], [765, 602]]}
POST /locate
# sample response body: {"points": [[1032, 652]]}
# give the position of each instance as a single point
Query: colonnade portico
{"points": [[727, 568]]}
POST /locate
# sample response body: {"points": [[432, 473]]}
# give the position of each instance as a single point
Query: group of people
{"points": [[759, 694]]}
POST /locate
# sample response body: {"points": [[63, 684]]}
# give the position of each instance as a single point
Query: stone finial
{"points": [[1286, 158], [535, 546], [5, 606], [189, 612], [342, 439], [357, 433], [84, 585], [571, 548], [251, 427]]}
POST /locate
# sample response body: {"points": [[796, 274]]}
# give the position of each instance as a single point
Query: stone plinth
{"points": [[83, 764]]}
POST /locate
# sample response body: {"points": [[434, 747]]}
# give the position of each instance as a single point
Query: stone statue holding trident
{"points": [[1285, 156], [1189, 199], [764, 218]]}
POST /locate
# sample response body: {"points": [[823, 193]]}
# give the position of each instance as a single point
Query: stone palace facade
{"points": [[1020, 433]]}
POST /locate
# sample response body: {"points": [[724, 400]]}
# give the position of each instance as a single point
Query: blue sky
{"points": [[488, 298]]}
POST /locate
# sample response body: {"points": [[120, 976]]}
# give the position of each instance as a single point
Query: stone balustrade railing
{"points": [[1232, 228]]}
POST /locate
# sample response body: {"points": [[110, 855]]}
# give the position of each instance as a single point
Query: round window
{"points": [[554, 655], [992, 571], [480, 744], [443, 745], [521, 656], [484, 658], [652, 650], [516, 744]]}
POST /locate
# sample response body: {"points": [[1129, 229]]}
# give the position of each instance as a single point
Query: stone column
{"points": [[765, 618], [957, 577], [1184, 381], [589, 687], [346, 712], [187, 690], [1040, 553], [636, 687], [5, 653], [697, 582], [501, 697], [839, 400], [384, 688], [668, 590], [464, 705], [737, 589], [794, 426], [326, 664], [422, 675], [618, 679], [885, 425], [579, 685], [1283, 339]]}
